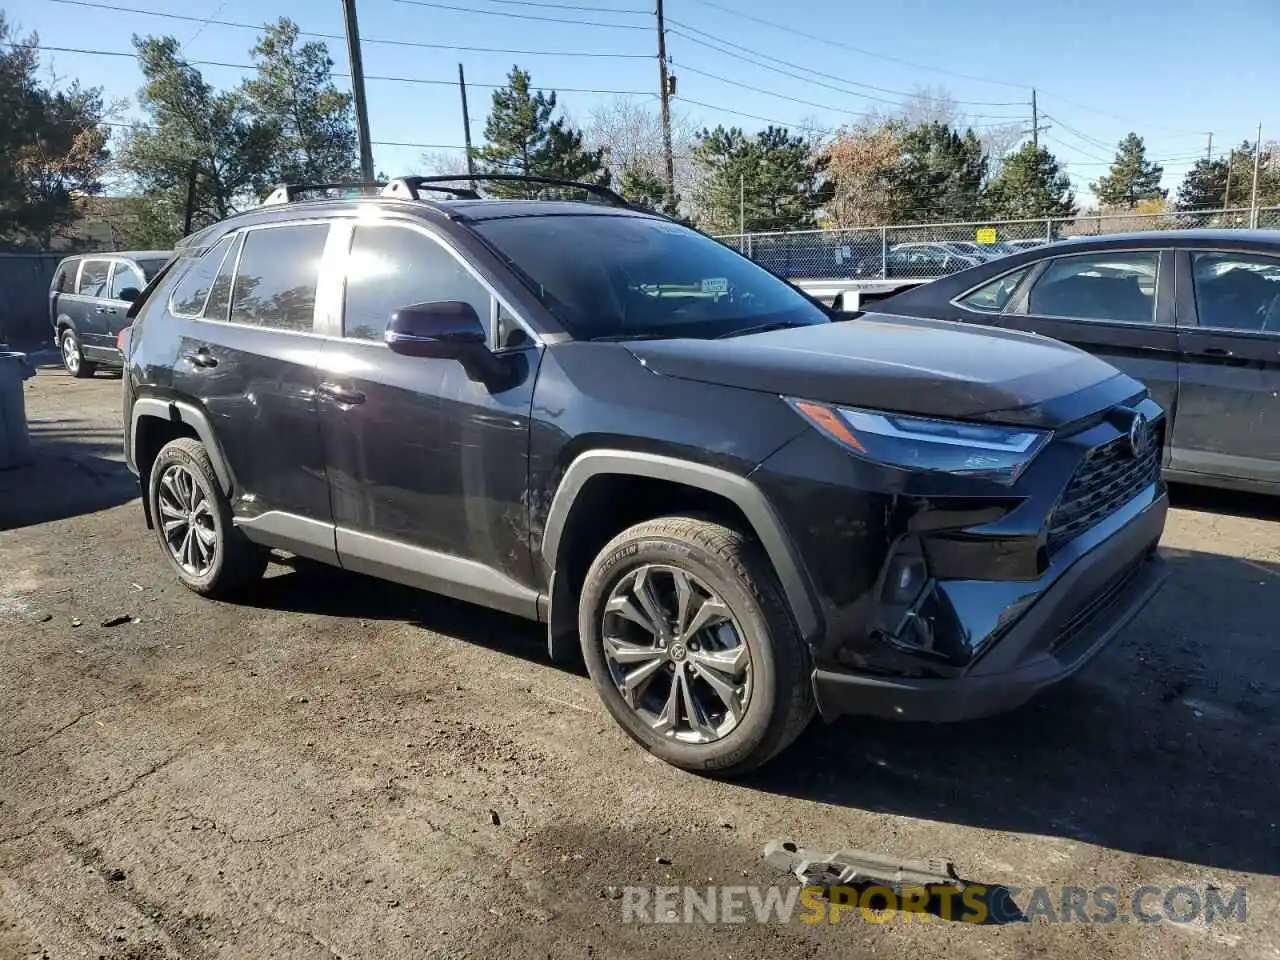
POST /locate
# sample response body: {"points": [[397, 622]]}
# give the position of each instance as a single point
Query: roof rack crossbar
{"points": [[410, 186], [289, 192]]}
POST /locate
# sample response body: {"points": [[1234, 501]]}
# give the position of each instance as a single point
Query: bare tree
{"points": [[629, 130], [439, 163]]}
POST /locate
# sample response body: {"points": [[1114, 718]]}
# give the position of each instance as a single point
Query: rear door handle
{"points": [[201, 358], [1218, 352], [341, 394]]}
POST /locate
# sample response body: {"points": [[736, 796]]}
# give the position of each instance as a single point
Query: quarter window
{"points": [[994, 296], [393, 267], [1111, 286], [275, 284], [193, 289], [93, 278], [1237, 291], [220, 292]]}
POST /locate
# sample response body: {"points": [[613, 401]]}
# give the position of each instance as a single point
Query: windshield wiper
{"points": [[614, 337], [762, 328]]}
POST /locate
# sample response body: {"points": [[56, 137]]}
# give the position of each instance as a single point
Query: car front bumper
{"points": [[1053, 636]]}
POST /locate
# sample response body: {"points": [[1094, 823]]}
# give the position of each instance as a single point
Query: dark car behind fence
{"points": [[24, 296]]}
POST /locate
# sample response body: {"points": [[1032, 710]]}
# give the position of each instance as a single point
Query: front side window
{"points": [[1100, 286], [125, 277], [275, 283], [992, 297], [393, 267], [1237, 291], [93, 278], [192, 290], [614, 276]]}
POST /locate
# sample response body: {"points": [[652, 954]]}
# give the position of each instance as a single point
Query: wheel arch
{"points": [[583, 493], [153, 422]]}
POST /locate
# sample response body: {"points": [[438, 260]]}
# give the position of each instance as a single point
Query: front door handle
{"points": [[1218, 352], [341, 394], [201, 358]]}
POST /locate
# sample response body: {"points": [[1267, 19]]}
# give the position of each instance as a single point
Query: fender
{"points": [[177, 411], [737, 489]]}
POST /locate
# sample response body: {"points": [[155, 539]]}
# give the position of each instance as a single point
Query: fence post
{"points": [[1048, 229], [884, 252]]}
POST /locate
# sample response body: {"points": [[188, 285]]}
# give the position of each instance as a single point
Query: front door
{"points": [[247, 348], [427, 468], [1228, 422], [1117, 305]]}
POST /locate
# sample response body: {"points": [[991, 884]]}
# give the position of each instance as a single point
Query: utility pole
{"points": [[664, 92], [1035, 121], [357, 89], [742, 206], [193, 172], [1226, 193], [466, 127], [1257, 164], [1209, 153]]}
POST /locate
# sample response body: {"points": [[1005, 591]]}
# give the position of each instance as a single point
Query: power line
{"points": [[712, 41], [771, 93], [859, 50], [368, 76], [257, 28], [572, 6], [524, 16]]}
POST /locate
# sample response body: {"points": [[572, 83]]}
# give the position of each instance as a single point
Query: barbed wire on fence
{"points": [[929, 250]]}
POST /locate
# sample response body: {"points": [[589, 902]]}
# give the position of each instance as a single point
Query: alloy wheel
{"points": [[70, 354], [676, 654], [186, 518]]}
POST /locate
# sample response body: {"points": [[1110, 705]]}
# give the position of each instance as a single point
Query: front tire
{"points": [[693, 650], [73, 360], [193, 523]]}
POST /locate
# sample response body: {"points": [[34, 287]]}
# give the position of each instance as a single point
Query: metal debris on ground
{"points": [[859, 868]]}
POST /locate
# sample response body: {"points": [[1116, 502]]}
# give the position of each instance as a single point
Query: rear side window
{"points": [[994, 296], [65, 278], [1237, 291], [93, 278], [1102, 286], [193, 289], [275, 283], [219, 301]]}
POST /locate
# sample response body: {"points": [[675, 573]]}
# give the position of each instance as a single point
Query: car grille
{"points": [[1107, 478], [1096, 606]]}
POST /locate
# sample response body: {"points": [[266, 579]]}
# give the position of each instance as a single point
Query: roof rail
{"points": [[410, 187], [290, 192]]}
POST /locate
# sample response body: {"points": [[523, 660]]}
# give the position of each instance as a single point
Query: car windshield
{"points": [[620, 277]]}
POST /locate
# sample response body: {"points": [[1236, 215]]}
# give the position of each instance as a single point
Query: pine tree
{"points": [[1205, 185], [293, 94], [644, 187], [771, 179], [524, 137], [1031, 185], [939, 175], [1132, 177]]}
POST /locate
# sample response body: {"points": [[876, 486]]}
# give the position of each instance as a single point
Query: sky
{"points": [[1101, 68]]}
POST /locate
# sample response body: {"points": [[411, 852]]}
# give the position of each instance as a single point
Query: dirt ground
{"points": [[337, 767]]}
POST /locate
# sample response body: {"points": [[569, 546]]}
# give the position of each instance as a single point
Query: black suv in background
{"points": [[88, 300], [594, 417]]}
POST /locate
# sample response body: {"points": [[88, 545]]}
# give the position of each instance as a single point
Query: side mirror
{"points": [[445, 329], [130, 294]]}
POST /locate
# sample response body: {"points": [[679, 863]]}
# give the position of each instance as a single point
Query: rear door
{"points": [[1228, 422], [85, 307], [246, 355], [1115, 304]]}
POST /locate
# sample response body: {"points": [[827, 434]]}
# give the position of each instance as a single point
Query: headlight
{"points": [[918, 443]]}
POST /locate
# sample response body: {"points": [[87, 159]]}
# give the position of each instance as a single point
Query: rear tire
{"points": [[193, 523], [73, 360], [748, 655]]}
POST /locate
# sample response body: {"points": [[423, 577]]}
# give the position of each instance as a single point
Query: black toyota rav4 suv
{"points": [[740, 509]]}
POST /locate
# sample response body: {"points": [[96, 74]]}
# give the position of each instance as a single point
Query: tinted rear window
{"points": [[151, 267]]}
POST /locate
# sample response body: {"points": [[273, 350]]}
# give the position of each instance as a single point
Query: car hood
{"points": [[931, 367]]}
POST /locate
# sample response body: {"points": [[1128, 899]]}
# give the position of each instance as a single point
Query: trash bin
{"points": [[15, 441]]}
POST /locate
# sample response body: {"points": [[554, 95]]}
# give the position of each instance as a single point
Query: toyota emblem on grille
{"points": [[1139, 435]]}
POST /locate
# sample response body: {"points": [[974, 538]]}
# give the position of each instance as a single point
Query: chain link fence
{"points": [[925, 251]]}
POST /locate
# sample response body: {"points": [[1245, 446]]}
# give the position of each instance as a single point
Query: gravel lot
{"points": [[337, 767]]}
